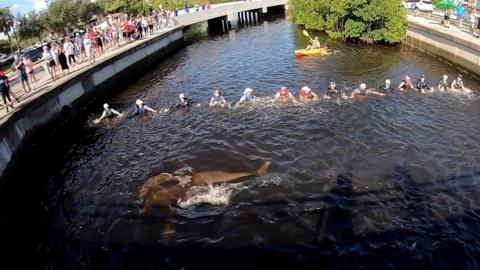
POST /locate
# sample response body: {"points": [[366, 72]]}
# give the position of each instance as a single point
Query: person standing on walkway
{"points": [[126, 31], [79, 46], [50, 63], [460, 15], [98, 41], [5, 89], [69, 49], [150, 24], [89, 53], [62, 59], [472, 22], [21, 72], [27, 61]]}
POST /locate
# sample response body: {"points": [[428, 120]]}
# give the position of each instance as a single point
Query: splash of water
{"points": [[214, 195]]}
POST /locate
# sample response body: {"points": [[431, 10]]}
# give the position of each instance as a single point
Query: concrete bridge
{"points": [[220, 16]]}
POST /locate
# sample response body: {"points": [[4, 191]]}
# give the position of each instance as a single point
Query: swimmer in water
{"points": [[218, 100], [183, 102], [108, 113], [141, 108], [306, 94], [406, 84], [363, 91], [387, 87], [247, 97], [422, 85], [284, 95], [457, 85], [443, 84], [334, 92]]}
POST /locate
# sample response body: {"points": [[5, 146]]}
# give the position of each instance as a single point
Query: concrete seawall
{"points": [[456, 47], [88, 87]]}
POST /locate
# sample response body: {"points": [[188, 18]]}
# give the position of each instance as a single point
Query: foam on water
{"points": [[214, 195]]}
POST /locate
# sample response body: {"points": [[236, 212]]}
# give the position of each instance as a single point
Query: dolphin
{"points": [[164, 190]]}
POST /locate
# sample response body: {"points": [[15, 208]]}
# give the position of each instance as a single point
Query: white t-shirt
{"points": [[68, 48]]}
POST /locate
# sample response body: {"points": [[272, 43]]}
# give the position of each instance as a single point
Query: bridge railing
{"points": [[225, 10]]}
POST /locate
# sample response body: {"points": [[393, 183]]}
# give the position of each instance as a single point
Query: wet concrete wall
{"points": [[90, 86]]}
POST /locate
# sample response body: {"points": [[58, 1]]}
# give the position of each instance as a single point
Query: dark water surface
{"points": [[381, 183]]}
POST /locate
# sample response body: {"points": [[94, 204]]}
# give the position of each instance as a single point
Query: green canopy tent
{"points": [[445, 5]]}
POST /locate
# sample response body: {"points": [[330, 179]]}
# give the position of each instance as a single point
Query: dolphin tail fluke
{"points": [[263, 169]]}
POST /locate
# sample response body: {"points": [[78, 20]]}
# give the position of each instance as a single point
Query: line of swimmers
{"points": [[305, 95]]}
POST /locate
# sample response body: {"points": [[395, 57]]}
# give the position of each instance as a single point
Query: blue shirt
{"points": [[460, 11]]}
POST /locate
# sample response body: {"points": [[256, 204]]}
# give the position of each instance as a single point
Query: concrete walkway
{"points": [[436, 25], [45, 82]]}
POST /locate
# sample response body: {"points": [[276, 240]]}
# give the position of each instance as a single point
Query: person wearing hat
{"points": [[315, 44], [406, 84], [457, 84], [332, 91], [387, 87], [108, 113], [443, 84], [247, 97], [141, 108], [306, 94], [422, 85], [284, 95], [363, 91], [183, 102], [217, 99]]}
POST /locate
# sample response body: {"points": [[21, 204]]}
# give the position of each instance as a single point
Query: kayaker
{"points": [[217, 99], [443, 84], [422, 85], [315, 44], [387, 87], [141, 108], [284, 95], [306, 94], [457, 84], [363, 91], [333, 92], [406, 84], [247, 97], [108, 113]]}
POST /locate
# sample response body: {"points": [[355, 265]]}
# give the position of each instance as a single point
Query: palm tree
{"points": [[5, 25]]}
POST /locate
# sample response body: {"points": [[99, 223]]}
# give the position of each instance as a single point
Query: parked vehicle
{"points": [[34, 54], [421, 5]]}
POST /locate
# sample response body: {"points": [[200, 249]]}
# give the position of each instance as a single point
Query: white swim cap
{"points": [[181, 95], [306, 89], [387, 81], [445, 77], [248, 91], [139, 102], [105, 106], [363, 86]]}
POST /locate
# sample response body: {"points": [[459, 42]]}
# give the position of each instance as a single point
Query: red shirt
{"points": [[126, 27]]}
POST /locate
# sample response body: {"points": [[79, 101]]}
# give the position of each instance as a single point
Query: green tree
{"points": [[87, 10], [6, 25], [62, 15], [31, 26], [369, 21]]}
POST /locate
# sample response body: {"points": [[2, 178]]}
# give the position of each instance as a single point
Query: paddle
{"points": [[306, 33]]}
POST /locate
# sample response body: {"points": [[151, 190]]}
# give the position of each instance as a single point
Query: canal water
{"points": [[380, 183]]}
